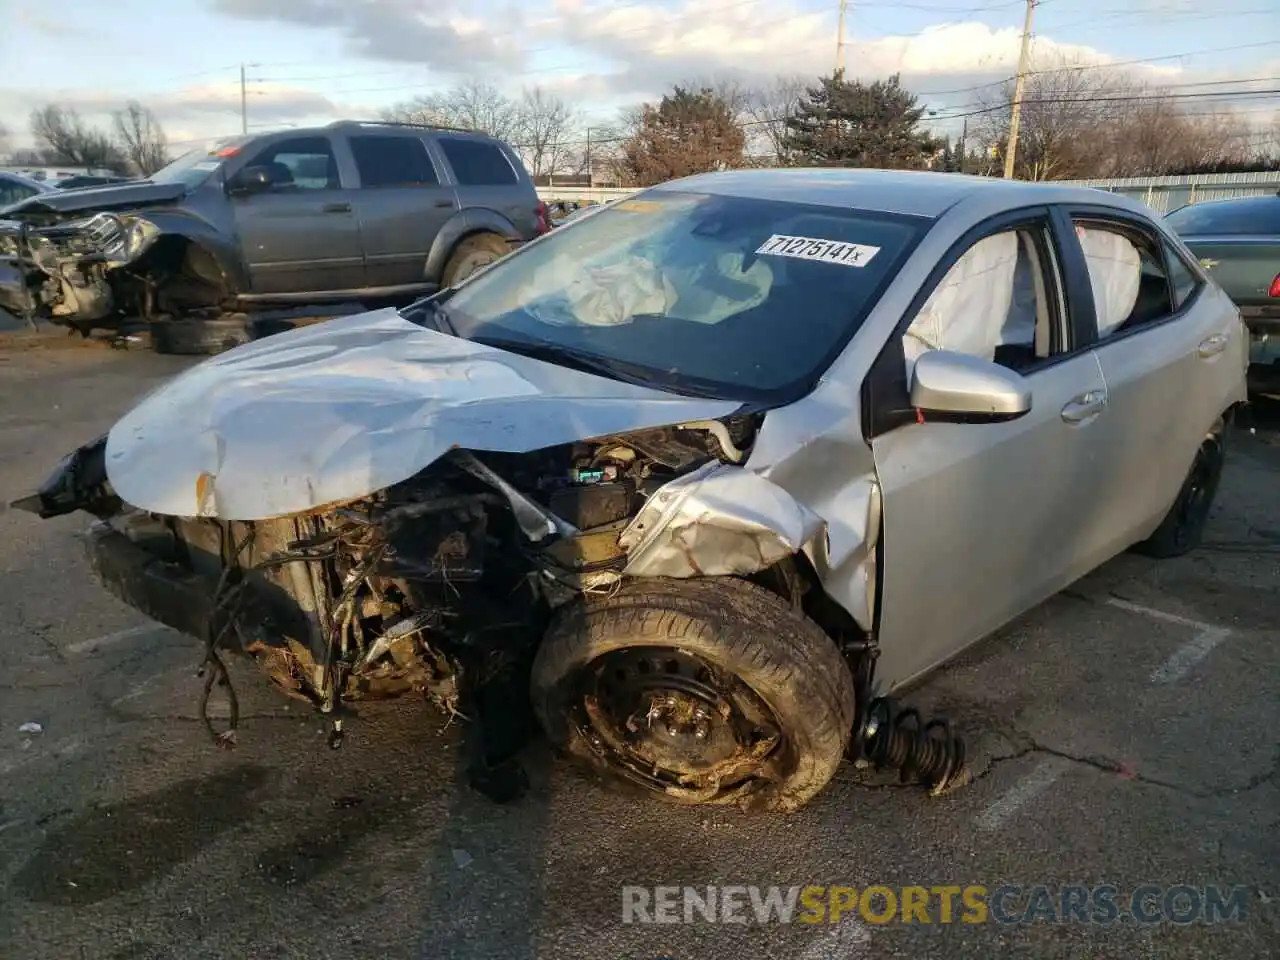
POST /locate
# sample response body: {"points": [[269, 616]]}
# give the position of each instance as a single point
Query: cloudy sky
{"points": [[314, 60]]}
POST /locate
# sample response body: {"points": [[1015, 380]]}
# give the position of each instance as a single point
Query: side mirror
{"points": [[250, 180], [959, 388]]}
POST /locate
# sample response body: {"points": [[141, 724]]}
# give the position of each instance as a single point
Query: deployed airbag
{"points": [[969, 308]]}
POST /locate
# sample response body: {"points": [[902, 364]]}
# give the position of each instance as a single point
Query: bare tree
{"points": [[767, 109], [1155, 135], [1064, 106], [547, 126], [68, 139], [4, 138], [473, 104], [141, 138]]}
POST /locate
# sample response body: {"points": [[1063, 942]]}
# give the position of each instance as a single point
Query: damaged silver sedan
{"points": [[696, 483]]}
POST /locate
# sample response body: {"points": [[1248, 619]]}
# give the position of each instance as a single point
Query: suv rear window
{"points": [[476, 163], [393, 162], [1245, 217]]}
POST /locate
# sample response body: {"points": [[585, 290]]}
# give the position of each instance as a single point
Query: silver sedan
{"points": [[696, 484]]}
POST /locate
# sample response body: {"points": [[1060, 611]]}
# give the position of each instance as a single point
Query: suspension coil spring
{"points": [[891, 736]]}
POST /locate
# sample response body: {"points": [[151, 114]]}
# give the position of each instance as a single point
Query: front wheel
{"points": [[1182, 528], [709, 691]]}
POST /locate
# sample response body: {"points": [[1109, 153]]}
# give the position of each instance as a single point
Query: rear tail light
{"points": [[544, 218], [1275, 287]]}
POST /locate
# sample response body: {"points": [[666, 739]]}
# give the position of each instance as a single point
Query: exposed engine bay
{"points": [[440, 586], [79, 271]]}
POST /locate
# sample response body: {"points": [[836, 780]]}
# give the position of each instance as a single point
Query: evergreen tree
{"points": [[853, 124]]}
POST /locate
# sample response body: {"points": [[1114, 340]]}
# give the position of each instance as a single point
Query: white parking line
{"points": [[1032, 785], [120, 636], [1190, 653]]}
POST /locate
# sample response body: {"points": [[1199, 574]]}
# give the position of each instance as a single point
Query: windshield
{"points": [[726, 296], [195, 166], [1255, 216]]}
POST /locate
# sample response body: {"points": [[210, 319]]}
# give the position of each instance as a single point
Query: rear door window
{"points": [[1127, 274], [477, 163], [393, 162]]}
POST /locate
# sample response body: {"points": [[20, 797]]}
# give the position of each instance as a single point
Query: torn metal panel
{"points": [[813, 450], [337, 411], [719, 520]]}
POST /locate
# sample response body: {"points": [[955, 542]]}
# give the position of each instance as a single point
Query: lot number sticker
{"points": [[815, 248]]}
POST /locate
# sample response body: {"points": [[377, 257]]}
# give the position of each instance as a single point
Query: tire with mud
{"points": [[198, 337], [1182, 529], [472, 254], [711, 691]]}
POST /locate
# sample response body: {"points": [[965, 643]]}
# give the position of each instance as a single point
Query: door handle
{"points": [[337, 207], [1211, 346], [444, 203], [1085, 406]]}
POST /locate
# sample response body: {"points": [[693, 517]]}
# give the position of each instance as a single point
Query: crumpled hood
{"points": [[340, 410], [91, 199]]}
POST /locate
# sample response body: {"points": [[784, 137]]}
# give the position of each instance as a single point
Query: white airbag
{"points": [[968, 310], [1115, 270]]}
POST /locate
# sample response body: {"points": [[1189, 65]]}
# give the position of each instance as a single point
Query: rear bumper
{"points": [[163, 591]]}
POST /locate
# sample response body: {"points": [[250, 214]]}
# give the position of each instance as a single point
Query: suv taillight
{"points": [[544, 217], [1275, 287]]}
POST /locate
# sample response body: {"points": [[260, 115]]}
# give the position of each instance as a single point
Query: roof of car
{"points": [[910, 192]]}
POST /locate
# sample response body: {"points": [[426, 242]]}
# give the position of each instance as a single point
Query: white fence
{"points": [[584, 194], [1162, 194]]}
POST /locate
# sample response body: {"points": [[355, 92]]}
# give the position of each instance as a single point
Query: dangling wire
{"points": [[226, 601]]}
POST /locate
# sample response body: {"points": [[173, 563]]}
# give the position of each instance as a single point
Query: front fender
{"points": [[461, 225], [224, 250]]}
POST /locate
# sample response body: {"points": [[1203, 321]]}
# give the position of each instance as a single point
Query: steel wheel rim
{"points": [[675, 724]]}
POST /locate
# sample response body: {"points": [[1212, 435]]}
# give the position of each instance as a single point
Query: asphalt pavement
{"points": [[1122, 733]]}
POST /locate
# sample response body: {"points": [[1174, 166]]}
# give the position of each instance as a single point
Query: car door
{"points": [[981, 521], [1170, 348], [402, 205], [301, 234]]}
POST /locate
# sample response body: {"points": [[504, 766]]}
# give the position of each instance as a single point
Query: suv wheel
{"points": [[472, 254]]}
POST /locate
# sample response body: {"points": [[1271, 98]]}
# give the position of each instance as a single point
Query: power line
{"points": [[1075, 68]]}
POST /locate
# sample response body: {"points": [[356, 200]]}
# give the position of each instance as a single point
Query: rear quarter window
{"points": [[476, 163]]}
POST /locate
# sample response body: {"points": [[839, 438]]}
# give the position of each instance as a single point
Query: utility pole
{"points": [[964, 142], [844, 4], [590, 178], [1019, 85], [244, 103]]}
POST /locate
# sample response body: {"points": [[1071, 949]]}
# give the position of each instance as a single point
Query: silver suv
{"points": [[349, 212]]}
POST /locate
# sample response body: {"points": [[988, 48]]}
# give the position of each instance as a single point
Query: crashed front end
{"points": [[370, 508], [71, 270]]}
